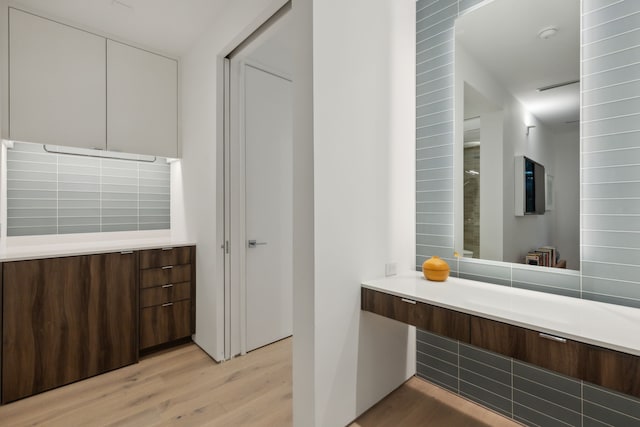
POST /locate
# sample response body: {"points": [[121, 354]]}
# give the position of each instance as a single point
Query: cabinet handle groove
{"points": [[410, 301], [167, 304], [552, 337], [167, 267], [170, 285]]}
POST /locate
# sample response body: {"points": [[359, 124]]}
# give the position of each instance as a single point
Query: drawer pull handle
{"points": [[167, 267], [552, 337], [126, 252], [167, 249], [170, 285], [167, 304], [410, 301]]}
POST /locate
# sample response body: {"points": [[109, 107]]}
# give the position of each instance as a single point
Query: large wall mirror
{"points": [[517, 132], [479, 65]]}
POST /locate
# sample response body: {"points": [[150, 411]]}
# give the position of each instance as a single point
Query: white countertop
{"points": [[51, 250], [606, 325]]}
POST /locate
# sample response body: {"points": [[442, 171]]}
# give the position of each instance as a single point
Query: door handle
{"points": [[253, 243], [552, 337]]}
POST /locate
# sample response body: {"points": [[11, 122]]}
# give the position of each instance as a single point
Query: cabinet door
{"points": [[112, 312], [142, 101], [45, 325], [57, 83], [66, 319]]}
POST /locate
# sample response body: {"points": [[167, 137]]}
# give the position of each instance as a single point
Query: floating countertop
{"points": [[606, 325], [51, 250]]}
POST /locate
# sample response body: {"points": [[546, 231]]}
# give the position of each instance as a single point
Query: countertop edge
{"points": [[515, 322], [27, 253]]}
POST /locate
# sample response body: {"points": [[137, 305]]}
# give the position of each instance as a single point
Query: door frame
{"points": [[232, 195]]}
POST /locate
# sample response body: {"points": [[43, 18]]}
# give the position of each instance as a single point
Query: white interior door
{"points": [[268, 207]]}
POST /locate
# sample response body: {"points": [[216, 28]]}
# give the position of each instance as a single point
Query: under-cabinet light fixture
{"points": [[98, 153]]}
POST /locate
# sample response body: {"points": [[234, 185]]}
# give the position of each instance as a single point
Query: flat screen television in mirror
{"points": [[529, 181], [534, 187]]}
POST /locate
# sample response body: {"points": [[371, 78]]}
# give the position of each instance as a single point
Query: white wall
{"points": [[364, 199], [566, 229], [4, 107], [468, 71], [491, 178], [512, 236], [201, 114]]}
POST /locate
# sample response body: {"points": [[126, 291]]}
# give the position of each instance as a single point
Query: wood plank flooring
{"points": [[181, 387], [419, 403], [184, 387]]}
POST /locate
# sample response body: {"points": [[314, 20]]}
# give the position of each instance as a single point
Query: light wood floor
{"points": [[183, 386], [419, 403]]}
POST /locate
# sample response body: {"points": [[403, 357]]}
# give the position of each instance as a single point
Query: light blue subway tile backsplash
{"points": [[523, 275], [619, 174], [49, 193], [621, 91], [602, 82]]}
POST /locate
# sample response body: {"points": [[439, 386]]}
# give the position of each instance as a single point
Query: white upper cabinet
{"points": [[57, 89], [142, 101]]}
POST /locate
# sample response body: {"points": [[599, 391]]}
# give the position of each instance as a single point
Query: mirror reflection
{"points": [[517, 131]]}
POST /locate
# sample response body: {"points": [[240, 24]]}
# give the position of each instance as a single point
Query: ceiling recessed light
{"points": [[547, 32]]}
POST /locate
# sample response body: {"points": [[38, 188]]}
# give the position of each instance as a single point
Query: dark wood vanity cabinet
{"points": [[494, 336], [544, 350], [612, 369], [604, 367], [448, 323], [65, 319], [167, 295]]}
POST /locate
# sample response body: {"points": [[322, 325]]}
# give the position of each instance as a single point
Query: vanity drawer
{"points": [[386, 305], [167, 256], [548, 351], [544, 350], [612, 369], [434, 319], [494, 336], [442, 321], [170, 274], [164, 294], [164, 323]]}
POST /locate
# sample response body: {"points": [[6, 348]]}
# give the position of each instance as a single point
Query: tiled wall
{"points": [[610, 150], [610, 212], [528, 394], [56, 194], [610, 261]]}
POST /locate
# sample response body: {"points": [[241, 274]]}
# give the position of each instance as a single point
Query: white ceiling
{"points": [[503, 36], [168, 26]]}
